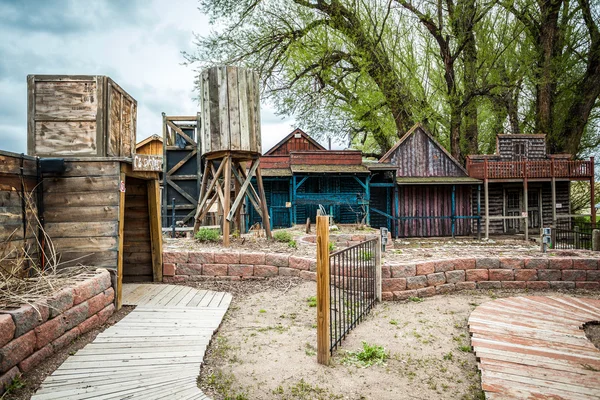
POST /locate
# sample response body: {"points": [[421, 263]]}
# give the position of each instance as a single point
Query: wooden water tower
{"points": [[230, 145]]}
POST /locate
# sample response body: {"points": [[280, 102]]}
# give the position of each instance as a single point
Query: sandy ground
{"points": [[265, 349]]}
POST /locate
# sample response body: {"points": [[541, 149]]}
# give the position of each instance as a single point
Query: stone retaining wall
{"points": [[29, 336], [399, 281]]}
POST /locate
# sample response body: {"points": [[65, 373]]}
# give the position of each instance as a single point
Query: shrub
{"points": [[369, 355], [207, 235], [292, 244], [282, 236], [331, 246]]}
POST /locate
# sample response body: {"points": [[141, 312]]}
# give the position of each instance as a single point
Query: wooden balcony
{"points": [[563, 169]]}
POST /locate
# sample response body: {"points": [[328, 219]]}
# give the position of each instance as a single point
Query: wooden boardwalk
{"points": [[155, 352], [535, 348]]}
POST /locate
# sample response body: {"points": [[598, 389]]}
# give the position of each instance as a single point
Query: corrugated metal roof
{"points": [[437, 180], [276, 172], [329, 169]]}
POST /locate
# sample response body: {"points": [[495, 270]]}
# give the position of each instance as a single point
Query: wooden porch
{"points": [[531, 169]]}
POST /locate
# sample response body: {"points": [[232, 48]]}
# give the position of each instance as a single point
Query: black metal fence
{"points": [[352, 288], [572, 234]]}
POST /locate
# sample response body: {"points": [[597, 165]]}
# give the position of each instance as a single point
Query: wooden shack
{"points": [[525, 188], [419, 190], [152, 145], [79, 116], [300, 175]]}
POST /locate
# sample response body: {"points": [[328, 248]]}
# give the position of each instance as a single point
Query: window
{"points": [[519, 150]]}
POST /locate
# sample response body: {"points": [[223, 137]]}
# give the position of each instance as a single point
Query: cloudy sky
{"points": [[138, 43]]}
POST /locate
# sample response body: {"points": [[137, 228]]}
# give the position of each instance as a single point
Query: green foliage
{"points": [[369, 355], [331, 246], [365, 255], [464, 348], [312, 301], [207, 235], [292, 244], [448, 356], [282, 236], [339, 69], [415, 299]]}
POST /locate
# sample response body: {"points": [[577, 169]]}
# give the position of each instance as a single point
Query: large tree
{"points": [[369, 69]]}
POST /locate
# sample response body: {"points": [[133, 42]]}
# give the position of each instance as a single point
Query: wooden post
{"points": [[526, 206], [592, 193], [226, 200], [263, 200], [479, 212], [596, 240], [323, 299], [119, 294], [155, 229], [553, 188], [378, 269], [165, 201], [576, 236], [486, 199]]}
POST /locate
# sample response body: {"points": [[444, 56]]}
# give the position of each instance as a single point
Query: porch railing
{"points": [[530, 169]]}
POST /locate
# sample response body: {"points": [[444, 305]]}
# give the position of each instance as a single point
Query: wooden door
{"points": [[513, 209], [533, 209]]}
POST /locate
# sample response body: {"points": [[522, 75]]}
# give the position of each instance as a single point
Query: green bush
{"points": [[292, 244], [370, 355], [207, 235], [282, 236]]}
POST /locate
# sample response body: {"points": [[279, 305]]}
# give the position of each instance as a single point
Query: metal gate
{"points": [[569, 234]]}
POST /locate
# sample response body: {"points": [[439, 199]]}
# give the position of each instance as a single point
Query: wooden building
{"points": [[151, 145], [97, 210], [299, 175], [419, 190], [525, 188]]}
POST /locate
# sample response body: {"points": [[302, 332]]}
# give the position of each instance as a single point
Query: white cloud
{"points": [[138, 46]]}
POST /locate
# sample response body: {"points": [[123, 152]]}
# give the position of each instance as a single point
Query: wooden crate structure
{"points": [[97, 212], [79, 116]]}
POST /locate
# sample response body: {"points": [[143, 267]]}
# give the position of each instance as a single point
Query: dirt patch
{"points": [[266, 349], [29, 383], [592, 331]]}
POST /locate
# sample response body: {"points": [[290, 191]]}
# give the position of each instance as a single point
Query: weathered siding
{"points": [[433, 201], [137, 254], [14, 234], [82, 212], [79, 116], [154, 147], [418, 155], [534, 147], [296, 142]]}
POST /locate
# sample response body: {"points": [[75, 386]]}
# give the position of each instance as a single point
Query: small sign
{"points": [[558, 205], [122, 186], [547, 232], [147, 162], [524, 214], [288, 204], [546, 239]]}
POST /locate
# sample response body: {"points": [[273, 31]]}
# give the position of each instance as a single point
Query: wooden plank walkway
{"points": [[535, 348], [155, 352]]}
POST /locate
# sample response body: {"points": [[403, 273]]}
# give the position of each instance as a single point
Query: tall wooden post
{"points": [[486, 199], [263, 199], [592, 193], [378, 272], [526, 206], [323, 299], [227, 200], [553, 189], [479, 212]]}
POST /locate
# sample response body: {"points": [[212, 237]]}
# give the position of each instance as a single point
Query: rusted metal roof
{"points": [[329, 169], [437, 180], [275, 172]]}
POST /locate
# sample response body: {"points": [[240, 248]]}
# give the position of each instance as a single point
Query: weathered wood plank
{"points": [[81, 184], [79, 214]]}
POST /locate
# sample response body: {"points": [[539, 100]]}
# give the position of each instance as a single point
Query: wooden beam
{"points": [[181, 191], [242, 191], [252, 195], [263, 200], [180, 163], [210, 188], [486, 201], [227, 200], [218, 185], [155, 230], [119, 294], [526, 206], [181, 133], [592, 193], [323, 297]]}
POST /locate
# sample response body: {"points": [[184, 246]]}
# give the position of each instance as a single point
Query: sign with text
{"points": [[147, 162]]}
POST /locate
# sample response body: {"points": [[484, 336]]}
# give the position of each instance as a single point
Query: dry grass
{"points": [[24, 277]]}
